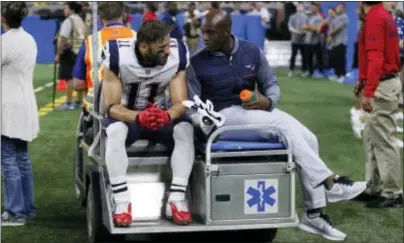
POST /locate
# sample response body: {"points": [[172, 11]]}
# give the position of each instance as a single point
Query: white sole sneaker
{"points": [[320, 226], [341, 192]]}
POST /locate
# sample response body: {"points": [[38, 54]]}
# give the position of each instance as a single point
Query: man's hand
{"points": [[306, 27], [262, 103], [57, 58], [153, 117], [358, 88], [162, 116], [366, 103]]}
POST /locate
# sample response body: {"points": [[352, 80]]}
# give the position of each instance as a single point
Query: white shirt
{"points": [[19, 112]]}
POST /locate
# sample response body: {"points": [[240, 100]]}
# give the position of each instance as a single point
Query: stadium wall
{"points": [[247, 27]]}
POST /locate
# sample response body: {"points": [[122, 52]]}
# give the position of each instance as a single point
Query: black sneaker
{"points": [[366, 197], [383, 202]]}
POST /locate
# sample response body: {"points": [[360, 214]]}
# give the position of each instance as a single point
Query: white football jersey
{"points": [[141, 85]]}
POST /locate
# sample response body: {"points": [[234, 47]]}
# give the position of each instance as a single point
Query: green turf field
{"points": [[321, 105]]}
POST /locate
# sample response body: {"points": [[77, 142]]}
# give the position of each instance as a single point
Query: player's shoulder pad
{"points": [[179, 46], [110, 55]]}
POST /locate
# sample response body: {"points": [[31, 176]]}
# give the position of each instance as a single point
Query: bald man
{"points": [[225, 67]]}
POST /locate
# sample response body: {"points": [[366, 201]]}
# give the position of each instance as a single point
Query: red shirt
{"points": [[379, 52], [149, 15]]}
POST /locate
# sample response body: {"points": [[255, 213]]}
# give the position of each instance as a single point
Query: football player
{"points": [[137, 72]]}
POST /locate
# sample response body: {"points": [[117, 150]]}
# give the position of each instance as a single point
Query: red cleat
{"points": [[123, 219], [178, 212]]}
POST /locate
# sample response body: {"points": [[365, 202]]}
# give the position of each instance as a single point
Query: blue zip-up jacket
{"points": [[220, 79]]}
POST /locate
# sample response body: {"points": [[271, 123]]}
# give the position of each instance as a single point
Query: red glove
{"points": [[153, 117], [163, 118]]}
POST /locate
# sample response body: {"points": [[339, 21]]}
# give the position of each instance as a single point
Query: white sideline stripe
{"points": [[39, 89]]}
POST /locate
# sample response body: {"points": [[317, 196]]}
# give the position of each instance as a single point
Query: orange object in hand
{"points": [[247, 96]]}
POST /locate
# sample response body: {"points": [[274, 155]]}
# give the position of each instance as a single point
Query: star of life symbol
{"points": [[261, 196]]}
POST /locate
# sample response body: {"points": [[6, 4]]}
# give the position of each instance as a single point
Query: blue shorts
{"points": [[163, 136]]}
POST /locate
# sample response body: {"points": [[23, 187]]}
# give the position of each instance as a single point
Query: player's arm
{"points": [[112, 85], [178, 85], [178, 93], [112, 93], [79, 70], [268, 84]]}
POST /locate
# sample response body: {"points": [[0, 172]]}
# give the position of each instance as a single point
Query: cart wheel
{"points": [[97, 232]]}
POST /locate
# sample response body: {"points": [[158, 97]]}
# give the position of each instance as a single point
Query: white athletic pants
{"points": [[312, 170]]}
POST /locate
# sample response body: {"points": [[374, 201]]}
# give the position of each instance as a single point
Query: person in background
{"points": [[379, 88], [237, 9], [192, 28], [150, 13], [295, 24], [127, 19], [264, 13], [329, 43], [252, 9], [112, 16], [313, 40], [338, 36], [72, 34], [214, 6], [86, 15], [170, 18], [19, 114]]}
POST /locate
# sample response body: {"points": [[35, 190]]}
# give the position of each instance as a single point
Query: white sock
{"points": [[121, 194], [182, 160], [177, 189], [117, 164]]}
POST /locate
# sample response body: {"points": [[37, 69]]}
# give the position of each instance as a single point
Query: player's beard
{"points": [[155, 59]]}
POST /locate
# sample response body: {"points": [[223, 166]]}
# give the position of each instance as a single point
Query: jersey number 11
{"points": [[140, 94]]}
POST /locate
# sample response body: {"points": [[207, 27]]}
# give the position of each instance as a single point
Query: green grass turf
{"points": [[321, 105]]}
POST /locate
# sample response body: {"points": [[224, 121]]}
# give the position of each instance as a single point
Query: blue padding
{"points": [[242, 146]]}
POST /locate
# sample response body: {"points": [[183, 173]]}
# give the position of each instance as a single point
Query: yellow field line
{"points": [[45, 110], [48, 108]]}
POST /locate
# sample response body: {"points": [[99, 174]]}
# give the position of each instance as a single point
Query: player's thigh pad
{"points": [[133, 131], [117, 132], [183, 131]]}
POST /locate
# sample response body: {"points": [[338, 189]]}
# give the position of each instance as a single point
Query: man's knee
{"points": [[117, 131], [183, 131]]}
